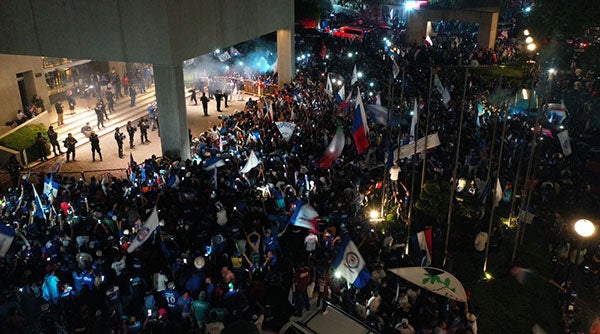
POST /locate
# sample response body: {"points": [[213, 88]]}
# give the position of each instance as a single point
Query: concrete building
{"points": [[163, 33]]}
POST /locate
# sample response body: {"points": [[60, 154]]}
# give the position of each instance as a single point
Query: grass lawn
{"points": [[502, 304]]}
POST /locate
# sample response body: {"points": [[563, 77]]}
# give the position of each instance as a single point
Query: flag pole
{"points": [[487, 245], [427, 126], [455, 168], [389, 139]]}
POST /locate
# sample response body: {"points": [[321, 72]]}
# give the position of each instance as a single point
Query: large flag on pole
{"points": [[498, 193], [304, 216], [424, 242], [340, 96], [335, 148], [395, 68], [351, 265], [145, 231], [7, 235], [360, 128], [354, 76], [39, 207], [438, 84], [251, 163], [329, 86], [414, 119]]}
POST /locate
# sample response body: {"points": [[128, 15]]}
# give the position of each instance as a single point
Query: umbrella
{"points": [[435, 280]]}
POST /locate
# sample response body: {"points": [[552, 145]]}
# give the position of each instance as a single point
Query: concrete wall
{"points": [[150, 31], [9, 89], [487, 18]]}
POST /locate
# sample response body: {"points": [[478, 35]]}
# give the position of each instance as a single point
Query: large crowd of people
{"points": [[206, 244]]}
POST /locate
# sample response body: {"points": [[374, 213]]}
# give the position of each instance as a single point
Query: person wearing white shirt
{"points": [[373, 303], [160, 280], [395, 176], [118, 266], [310, 242]]}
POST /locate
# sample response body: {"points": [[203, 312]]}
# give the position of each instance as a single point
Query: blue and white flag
{"points": [[304, 216], [39, 207], [351, 265], [213, 163], [224, 56], [7, 235], [173, 181], [145, 231], [251, 163], [329, 86], [50, 188], [286, 129], [340, 96]]}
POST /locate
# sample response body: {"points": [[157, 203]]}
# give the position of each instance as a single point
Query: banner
{"points": [[435, 280], [286, 129], [224, 56], [407, 150]]}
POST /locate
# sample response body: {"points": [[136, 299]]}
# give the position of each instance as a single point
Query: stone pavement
{"points": [[111, 163]]}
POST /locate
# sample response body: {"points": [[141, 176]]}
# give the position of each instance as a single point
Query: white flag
{"points": [[438, 84], [445, 97], [498, 192], [7, 235], [395, 68], [354, 76], [286, 129], [565, 143], [251, 163], [145, 231], [329, 86], [414, 119], [409, 149]]}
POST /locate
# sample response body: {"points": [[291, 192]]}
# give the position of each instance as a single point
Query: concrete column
{"points": [[286, 55], [488, 28], [416, 28], [172, 113]]}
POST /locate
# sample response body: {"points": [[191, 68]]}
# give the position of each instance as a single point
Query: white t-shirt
{"points": [[160, 282], [310, 242], [394, 173]]}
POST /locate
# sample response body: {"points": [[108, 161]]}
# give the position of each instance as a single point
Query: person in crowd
{"points": [[70, 143], [71, 101], [21, 118], [218, 98], [119, 138], [95, 144], [86, 129], [99, 116], [153, 116], [53, 138], [143, 125], [204, 100], [59, 113], [193, 96], [132, 95], [131, 129], [40, 143]]}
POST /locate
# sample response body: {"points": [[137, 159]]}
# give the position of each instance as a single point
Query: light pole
{"points": [[584, 229]]}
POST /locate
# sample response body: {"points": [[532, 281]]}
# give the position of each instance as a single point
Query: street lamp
{"points": [[585, 229]]}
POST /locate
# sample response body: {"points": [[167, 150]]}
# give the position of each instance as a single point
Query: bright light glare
{"points": [[241, 63], [526, 32], [411, 5], [359, 74], [373, 214], [529, 39], [371, 84], [584, 228], [525, 94], [217, 50], [551, 71], [531, 47], [337, 274], [350, 54], [370, 93], [527, 9], [488, 276]]}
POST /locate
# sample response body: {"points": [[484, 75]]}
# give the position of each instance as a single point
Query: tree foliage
{"points": [[563, 19]]}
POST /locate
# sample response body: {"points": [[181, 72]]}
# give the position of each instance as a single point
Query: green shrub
{"points": [[24, 139]]}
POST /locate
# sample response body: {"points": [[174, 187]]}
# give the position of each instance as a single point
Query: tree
{"points": [[563, 19], [311, 9]]}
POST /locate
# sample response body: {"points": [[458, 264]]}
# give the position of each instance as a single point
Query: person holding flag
{"points": [[350, 265]]}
